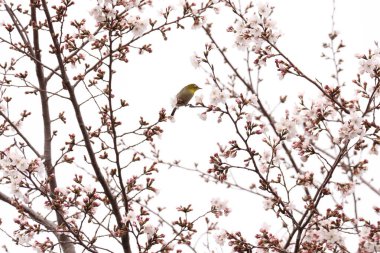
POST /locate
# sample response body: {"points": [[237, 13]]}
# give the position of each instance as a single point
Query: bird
{"points": [[184, 96]]}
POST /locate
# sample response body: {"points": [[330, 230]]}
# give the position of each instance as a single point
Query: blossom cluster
{"points": [[219, 207], [16, 168], [109, 9], [255, 28], [324, 235], [369, 239], [370, 64]]}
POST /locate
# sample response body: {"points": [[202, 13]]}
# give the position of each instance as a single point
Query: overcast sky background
{"points": [[152, 80]]}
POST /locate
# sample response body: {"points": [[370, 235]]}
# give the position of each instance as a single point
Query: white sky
{"points": [[153, 79]]}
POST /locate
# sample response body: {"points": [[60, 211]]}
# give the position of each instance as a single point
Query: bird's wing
{"points": [[183, 97]]}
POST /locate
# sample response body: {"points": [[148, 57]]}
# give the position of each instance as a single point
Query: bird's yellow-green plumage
{"points": [[185, 95]]}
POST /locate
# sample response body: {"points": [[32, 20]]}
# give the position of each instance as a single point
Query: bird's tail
{"points": [[174, 109]]}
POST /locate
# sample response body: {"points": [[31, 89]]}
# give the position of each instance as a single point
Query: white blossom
{"points": [[220, 207], [249, 33], [264, 9], [221, 238], [253, 99], [198, 99], [325, 233], [368, 66], [268, 204], [88, 189], [352, 127], [346, 189], [62, 190], [195, 61], [286, 125], [129, 4], [98, 14], [139, 26], [217, 96], [149, 230], [199, 21], [129, 217], [24, 239]]}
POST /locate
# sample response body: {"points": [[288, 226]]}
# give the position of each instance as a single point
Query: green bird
{"points": [[185, 95]]}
